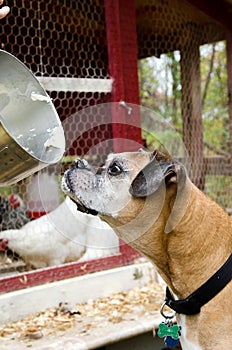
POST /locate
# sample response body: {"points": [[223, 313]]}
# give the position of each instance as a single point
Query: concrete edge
{"points": [[19, 304]]}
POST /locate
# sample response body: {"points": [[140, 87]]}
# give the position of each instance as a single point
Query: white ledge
{"points": [[76, 84]]}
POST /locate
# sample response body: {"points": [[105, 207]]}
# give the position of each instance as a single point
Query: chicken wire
{"points": [[61, 39], [64, 44], [165, 27]]}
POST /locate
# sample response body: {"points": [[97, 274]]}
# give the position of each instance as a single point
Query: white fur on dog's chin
{"points": [[110, 203]]}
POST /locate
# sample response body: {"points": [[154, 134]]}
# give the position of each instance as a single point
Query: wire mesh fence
{"points": [[64, 44], [183, 76]]}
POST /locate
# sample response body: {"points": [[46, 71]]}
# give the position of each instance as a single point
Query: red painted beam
{"points": [[51, 274], [123, 68]]}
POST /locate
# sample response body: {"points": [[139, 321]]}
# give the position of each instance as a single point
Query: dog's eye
{"points": [[115, 169]]}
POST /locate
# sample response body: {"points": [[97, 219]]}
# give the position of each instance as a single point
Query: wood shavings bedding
{"points": [[116, 308]]}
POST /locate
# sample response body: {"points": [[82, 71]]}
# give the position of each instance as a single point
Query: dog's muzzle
{"points": [[80, 164]]}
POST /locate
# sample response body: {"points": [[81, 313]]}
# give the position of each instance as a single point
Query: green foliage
{"points": [[160, 90], [219, 188], [214, 95]]}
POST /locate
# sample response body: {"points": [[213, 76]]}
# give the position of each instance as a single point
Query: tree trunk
{"points": [[192, 110], [229, 86]]}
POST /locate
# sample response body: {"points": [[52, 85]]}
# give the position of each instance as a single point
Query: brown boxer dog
{"points": [[150, 202]]}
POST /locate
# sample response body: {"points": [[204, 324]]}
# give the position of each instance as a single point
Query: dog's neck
{"points": [[193, 251], [199, 245]]}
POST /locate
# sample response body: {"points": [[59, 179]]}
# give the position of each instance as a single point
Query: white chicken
{"points": [[63, 235]]}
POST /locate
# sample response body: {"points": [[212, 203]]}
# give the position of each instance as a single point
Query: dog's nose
{"points": [[81, 163]]}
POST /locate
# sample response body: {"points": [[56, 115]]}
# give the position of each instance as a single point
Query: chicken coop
{"points": [[86, 54]]}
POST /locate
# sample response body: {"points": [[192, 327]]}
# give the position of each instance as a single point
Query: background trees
{"points": [[160, 90]]}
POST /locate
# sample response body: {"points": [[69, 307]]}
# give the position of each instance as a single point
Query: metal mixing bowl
{"points": [[31, 134]]}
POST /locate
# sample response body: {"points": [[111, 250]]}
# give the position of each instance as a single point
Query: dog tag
{"points": [[168, 329], [171, 343], [170, 333]]}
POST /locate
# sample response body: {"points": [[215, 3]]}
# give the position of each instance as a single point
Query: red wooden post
{"points": [[123, 68]]}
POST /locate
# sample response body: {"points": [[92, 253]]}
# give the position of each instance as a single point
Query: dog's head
{"points": [[126, 185]]}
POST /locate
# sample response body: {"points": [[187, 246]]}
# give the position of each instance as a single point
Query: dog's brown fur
{"points": [[187, 257], [195, 248]]}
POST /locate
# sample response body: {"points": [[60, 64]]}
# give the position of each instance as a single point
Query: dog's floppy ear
{"points": [[150, 178], [164, 172]]}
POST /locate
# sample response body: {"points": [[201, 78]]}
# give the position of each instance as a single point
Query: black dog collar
{"points": [[193, 303]]}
